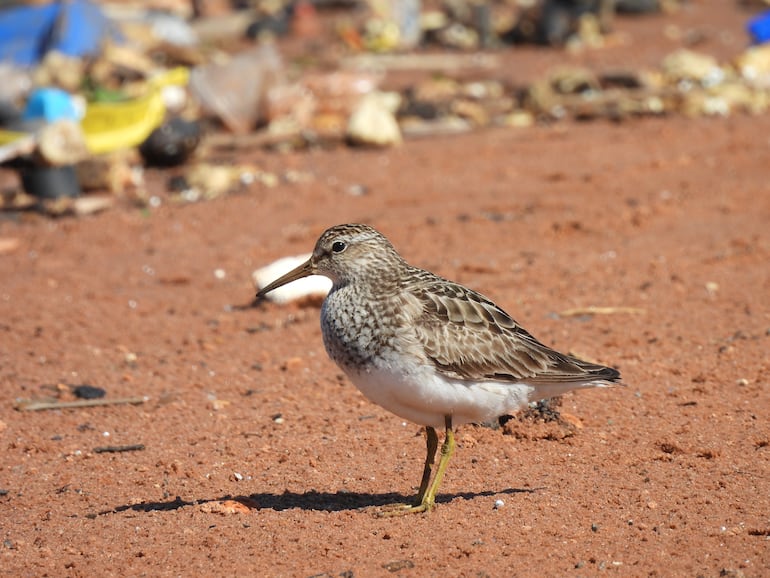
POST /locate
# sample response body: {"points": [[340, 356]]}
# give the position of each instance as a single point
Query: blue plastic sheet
{"points": [[73, 27], [759, 27]]}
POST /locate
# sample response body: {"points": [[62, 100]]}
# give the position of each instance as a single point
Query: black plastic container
{"points": [[50, 182]]}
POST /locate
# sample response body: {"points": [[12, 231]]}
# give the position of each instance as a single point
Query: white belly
{"points": [[420, 395]]}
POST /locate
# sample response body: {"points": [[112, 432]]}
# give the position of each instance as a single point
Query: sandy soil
{"points": [[259, 458]]}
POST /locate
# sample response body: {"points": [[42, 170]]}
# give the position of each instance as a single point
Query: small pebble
{"points": [[357, 190], [499, 504], [88, 392], [269, 180], [219, 273]]}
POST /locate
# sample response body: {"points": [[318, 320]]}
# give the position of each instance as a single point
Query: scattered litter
{"points": [[373, 121], [75, 28], [209, 181], [235, 90], [172, 143], [759, 27], [121, 96]]}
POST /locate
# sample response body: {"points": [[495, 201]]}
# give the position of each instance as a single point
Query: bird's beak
{"points": [[307, 268]]}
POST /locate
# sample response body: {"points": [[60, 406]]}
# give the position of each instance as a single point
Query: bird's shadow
{"points": [[310, 501]]}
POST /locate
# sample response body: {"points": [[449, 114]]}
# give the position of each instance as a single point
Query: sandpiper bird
{"points": [[429, 350]]}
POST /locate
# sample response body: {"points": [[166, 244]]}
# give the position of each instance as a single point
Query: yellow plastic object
{"points": [[9, 136], [110, 126]]}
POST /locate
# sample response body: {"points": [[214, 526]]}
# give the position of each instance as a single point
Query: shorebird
{"points": [[429, 350]]}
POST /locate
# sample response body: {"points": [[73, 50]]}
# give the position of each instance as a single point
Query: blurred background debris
{"points": [[83, 83]]}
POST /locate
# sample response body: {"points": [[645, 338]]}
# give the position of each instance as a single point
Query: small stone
{"points": [[210, 181], [270, 180], [571, 419], [398, 565], [88, 392], [225, 507], [471, 111], [8, 245], [519, 119], [357, 190], [499, 504], [218, 404], [92, 204], [292, 364], [693, 66]]}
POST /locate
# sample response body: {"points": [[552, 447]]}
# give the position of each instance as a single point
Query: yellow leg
{"points": [[426, 497], [431, 442], [447, 449]]}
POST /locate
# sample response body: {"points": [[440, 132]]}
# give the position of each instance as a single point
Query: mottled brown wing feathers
{"points": [[467, 336]]}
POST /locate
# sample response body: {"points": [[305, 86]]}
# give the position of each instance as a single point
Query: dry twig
{"points": [[37, 405], [593, 310]]}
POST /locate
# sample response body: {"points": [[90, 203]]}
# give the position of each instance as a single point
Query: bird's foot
{"points": [[393, 510]]}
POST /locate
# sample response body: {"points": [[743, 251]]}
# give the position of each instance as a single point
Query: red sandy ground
{"points": [[668, 476]]}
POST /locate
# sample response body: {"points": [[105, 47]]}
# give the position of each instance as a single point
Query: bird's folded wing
{"points": [[467, 336]]}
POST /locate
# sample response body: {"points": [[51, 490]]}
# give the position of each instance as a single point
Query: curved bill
{"points": [[303, 270]]}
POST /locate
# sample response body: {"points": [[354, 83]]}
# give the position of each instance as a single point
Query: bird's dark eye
{"points": [[338, 246]]}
